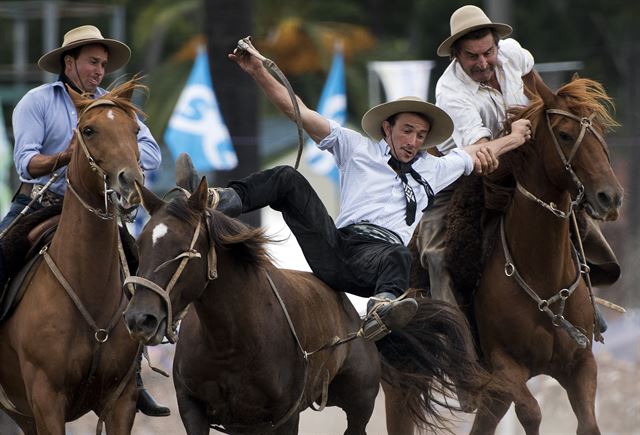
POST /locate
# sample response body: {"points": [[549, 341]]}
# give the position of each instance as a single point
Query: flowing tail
{"points": [[431, 361]]}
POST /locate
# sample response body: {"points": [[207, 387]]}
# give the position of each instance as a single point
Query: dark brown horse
{"points": [[533, 308], [258, 344], [64, 351]]}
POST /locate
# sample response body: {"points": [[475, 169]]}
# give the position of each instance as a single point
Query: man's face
{"points": [[87, 71], [406, 135], [478, 58]]}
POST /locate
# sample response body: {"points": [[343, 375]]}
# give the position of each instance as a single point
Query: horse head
{"points": [[106, 155], [572, 153], [174, 250]]}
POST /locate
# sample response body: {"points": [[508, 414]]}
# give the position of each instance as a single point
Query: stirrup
{"points": [[374, 328]]}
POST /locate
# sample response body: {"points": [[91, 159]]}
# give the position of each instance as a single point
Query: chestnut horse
{"points": [[533, 308], [259, 344], [64, 351]]}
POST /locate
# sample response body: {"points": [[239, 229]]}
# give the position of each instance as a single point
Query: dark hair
{"points": [[75, 53], [392, 119], [473, 35]]}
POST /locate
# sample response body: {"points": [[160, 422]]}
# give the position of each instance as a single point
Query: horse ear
{"points": [[575, 76], [78, 100], [186, 174], [198, 199], [149, 200], [547, 95]]}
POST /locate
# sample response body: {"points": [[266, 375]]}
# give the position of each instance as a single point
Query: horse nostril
{"points": [[122, 178], [142, 322], [605, 200]]}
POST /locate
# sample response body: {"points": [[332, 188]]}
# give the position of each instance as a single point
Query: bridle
{"points": [[586, 123], [95, 167], [165, 293], [579, 260]]}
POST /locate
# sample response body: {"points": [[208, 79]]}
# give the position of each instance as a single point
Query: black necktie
{"points": [[402, 169]]}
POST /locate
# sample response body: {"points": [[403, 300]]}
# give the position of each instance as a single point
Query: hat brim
{"points": [[119, 55], [441, 125], [503, 30]]}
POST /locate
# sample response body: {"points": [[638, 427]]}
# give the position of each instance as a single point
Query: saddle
{"points": [[472, 231], [21, 246]]}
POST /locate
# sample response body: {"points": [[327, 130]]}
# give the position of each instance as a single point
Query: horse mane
{"points": [[582, 96], [247, 244], [120, 95]]}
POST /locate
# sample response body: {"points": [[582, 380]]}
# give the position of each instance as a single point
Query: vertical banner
{"points": [[5, 167], [196, 126], [332, 105], [399, 79]]}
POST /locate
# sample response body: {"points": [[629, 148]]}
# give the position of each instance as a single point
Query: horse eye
{"points": [[87, 131], [565, 137]]}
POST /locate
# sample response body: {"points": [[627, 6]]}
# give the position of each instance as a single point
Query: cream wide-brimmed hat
{"points": [[119, 53], [467, 19], [441, 125]]}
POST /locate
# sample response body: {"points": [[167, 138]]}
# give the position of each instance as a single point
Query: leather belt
{"points": [[47, 198], [374, 231]]}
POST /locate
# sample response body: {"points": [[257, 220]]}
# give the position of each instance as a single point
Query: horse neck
{"points": [[538, 239], [234, 305], [85, 246]]}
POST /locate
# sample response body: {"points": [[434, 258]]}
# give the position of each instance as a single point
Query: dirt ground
{"points": [[618, 404]]}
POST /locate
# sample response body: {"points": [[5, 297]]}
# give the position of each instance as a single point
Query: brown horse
{"points": [[533, 308], [260, 344], [64, 351]]}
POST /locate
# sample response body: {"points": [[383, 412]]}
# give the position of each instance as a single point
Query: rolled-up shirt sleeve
{"points": [[29, 131], [469, 126], [150, 155]]}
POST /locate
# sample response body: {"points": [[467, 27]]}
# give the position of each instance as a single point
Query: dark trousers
{"points": [[347, 262], [19, 202]]}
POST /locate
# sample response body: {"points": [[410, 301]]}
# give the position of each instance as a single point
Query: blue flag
{"points": [[196, 126], [332, 105]]}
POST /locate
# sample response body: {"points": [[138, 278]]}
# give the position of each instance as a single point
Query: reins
{"points": [[561, 296], [244, 45], [171, 328], [586, 123]]}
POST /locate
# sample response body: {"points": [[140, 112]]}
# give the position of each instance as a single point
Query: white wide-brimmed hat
{"points": [[119, 53], [467, 19], [441, 125]]}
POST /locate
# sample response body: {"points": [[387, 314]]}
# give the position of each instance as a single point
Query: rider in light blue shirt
{"points": [[43, 123]]}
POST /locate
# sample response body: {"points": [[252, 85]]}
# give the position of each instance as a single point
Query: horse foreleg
{"points": [[399, 421], [581, 388], [495, 405], [47, 406], [120, 420], [193, 413]]}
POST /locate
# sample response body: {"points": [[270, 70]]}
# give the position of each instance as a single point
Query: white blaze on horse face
{"points": [[159, 232], [110, 115]]}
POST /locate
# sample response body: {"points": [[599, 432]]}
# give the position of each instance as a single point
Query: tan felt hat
{"points": [[441, 124], [119, 53], [466, 19]]}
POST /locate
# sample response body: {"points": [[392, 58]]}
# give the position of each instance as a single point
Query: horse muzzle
{"points": [[144, 327], [604, 204]]}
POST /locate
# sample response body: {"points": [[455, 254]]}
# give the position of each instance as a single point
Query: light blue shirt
{"points": [[371, 190], [43, 123]]}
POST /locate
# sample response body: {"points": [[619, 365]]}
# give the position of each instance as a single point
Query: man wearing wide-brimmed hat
{"points": [[43, 120], [487, 75], [43, 123], [386, 181], [483, 79]]}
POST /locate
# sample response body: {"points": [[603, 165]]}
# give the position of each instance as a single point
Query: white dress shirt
{"points": [[479, 111], [370, 190]]}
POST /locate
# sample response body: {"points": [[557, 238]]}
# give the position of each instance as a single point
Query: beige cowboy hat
{"points": [[441, 125], [466, 19], [119, 53]]}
